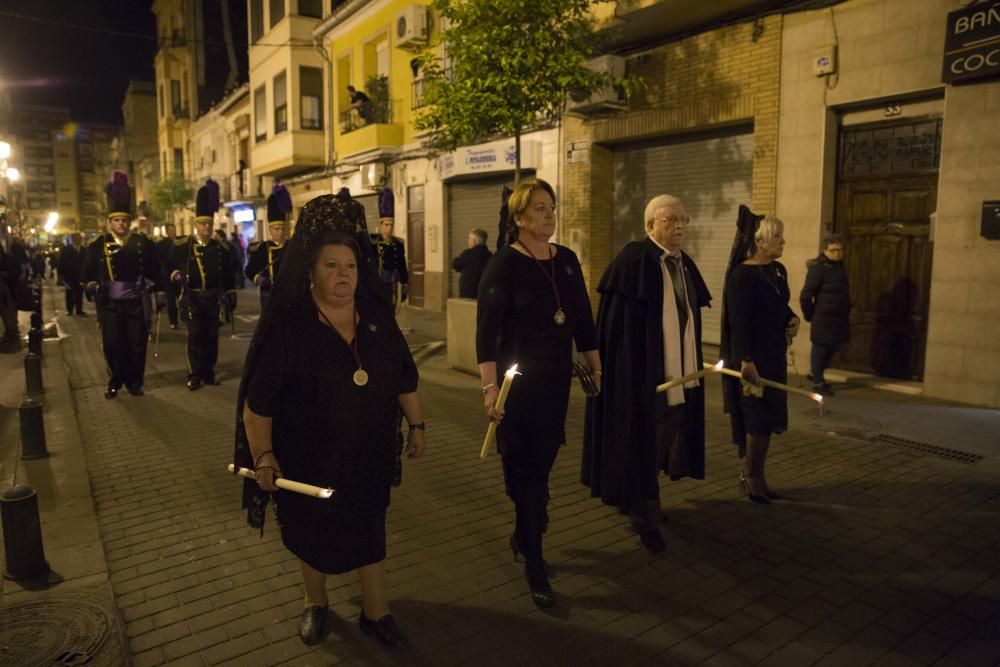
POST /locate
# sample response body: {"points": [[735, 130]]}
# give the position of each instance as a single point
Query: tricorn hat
{"points": [[279, 205], [207, 202], [119, 196]]}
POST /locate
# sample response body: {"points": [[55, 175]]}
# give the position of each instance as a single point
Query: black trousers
{"points": [[529, 489], [172, 295], [645, 513], [74, 297], [202, 315], [124, 335]]}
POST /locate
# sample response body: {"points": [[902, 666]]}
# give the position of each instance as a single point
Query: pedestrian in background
{"points": [[391, 260], [826, 303], [164, 247], [240, 256], [533, 306], [70, 267], [758, 327], [327, 379], [648, 331], [471, 264], [119, 269]]}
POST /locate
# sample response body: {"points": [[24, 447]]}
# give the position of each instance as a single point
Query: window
{"points": [[175, 96], [311, 89], [280, 104], [313, 8], [179, 161], [256, 20], [277, 11], [260, 114]]}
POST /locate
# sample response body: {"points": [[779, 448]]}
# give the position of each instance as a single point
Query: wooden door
{"points": [[886, 192], [415, 242]]}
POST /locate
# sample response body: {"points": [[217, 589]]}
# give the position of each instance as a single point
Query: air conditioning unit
{"points": [[373, 175], [607, 98], [412, 29]]}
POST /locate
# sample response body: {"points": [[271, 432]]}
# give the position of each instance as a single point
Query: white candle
{"points": [[777, 385], [286, 484], [689, 378], [491, 431]]}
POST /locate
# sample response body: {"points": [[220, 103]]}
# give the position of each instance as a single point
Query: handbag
{"points": [[587, 381]]}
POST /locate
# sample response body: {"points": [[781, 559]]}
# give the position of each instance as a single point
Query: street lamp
{"points": [[13, 175], [50, 223], [4, 150]]}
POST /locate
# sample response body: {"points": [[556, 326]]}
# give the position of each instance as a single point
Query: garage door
{"points": [[472, 204], [370, 203], [712, 177]]}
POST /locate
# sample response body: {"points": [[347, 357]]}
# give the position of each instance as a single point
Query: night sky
{"points": [[59, 53]]}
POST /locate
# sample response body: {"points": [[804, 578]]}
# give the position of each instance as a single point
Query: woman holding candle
{"points": [[327, 375], [533, 305], [757, 327]]}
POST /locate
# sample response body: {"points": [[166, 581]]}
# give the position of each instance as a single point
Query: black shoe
{"points": [[136, 391], [111, 391], [385, 629], [173, 326], [653, 541], [311, 624], [515, 551], [80, 312], [745, 488], [194, 383], [212, 381], [538, 583]]}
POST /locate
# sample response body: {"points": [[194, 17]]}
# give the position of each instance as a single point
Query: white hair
{"points": [[769, 227], [659, 201]]}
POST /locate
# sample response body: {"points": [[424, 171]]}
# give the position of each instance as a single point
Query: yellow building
{"points": [[289, 139], [176, 82], [138, 137]]}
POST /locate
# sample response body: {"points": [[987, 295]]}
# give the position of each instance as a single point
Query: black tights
{"points": [[528, 487]]}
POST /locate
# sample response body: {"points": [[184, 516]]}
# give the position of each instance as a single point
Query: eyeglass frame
{"points": [[674, 221]]}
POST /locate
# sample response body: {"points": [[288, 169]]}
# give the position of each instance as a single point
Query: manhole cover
{"points": [[68, 632], [843, 423]]}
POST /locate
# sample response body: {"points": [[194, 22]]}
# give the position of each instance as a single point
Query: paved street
{"points": [[884, 553]]}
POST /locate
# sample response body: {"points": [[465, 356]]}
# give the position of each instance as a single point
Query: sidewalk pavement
{"points": [[884, 552]]}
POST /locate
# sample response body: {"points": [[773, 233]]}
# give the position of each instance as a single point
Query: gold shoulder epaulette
{"points": [[253, 246], [180, 240]]}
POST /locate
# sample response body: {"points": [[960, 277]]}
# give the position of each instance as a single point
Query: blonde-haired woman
{"points": [[760, 326], [533, 305]]}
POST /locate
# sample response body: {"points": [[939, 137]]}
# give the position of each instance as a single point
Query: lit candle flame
{"points": [[512, 371], [719, 365]]}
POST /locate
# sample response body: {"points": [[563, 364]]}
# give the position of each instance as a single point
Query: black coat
{"points": [[470, 265], [619, 446], [826, 302], [70, 264]]}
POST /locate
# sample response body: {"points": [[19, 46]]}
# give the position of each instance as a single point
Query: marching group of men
{"points": [[129, 276]]}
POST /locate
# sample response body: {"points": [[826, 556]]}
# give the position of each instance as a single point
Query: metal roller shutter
{"points": [[712, 176], [472, 204], [370, 203]]}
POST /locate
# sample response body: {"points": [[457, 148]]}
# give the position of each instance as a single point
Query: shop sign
{"points": [[498, 156], [972, 43]]}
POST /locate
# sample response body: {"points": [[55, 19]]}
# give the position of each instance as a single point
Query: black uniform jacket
{"points": [[619, 447], [203, 266], [134, 258], [265, 258]]}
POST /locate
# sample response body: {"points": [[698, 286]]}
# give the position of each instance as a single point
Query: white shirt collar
{"points": [[666, 252]]}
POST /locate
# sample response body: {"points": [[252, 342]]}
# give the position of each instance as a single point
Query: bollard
{"points": [[35, 342], [33, 374], [24, 554], [36, 320], [32, 430]]}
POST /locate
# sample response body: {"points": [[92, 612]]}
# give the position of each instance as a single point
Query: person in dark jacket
{"points": [[826, 303], [70, 267], [470, 264]]}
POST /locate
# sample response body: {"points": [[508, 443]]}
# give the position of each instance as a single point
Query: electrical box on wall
{"points": [[990, 228], [825, 60]]}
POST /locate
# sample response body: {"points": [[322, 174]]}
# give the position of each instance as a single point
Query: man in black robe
{"points": [[632, 432]]}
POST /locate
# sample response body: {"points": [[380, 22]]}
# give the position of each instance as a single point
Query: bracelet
{"points": [[418, 427], [261, 455], [597, 372], [488, 387], [259, 468]]}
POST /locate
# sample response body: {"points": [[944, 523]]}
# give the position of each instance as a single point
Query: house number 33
{"points": [[893, 109]]}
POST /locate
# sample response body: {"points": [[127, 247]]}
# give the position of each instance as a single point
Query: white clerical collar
{"points": [[675, 255]]}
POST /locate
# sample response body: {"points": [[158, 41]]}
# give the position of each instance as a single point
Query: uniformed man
{"points": [[391, 260], [119, 270], [70, 267], [203, 267], [265, 256]]}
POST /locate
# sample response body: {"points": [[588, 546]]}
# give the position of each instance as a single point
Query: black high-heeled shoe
{"points": [[515, 551], [538, 583], [745, 489]]}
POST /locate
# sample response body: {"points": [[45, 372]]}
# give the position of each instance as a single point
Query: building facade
{"points": [[137, 140]]}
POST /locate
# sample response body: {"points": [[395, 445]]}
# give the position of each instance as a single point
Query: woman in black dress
{"points": [[327, 376], [760, 327], [533, 305]]}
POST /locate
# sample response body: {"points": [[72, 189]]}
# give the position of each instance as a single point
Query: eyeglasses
{"points": [[673, 221]]}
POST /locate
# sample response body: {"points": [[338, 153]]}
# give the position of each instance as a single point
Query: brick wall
{"points": [[715, 79]]}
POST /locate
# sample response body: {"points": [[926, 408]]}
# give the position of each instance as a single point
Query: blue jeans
{"points": [[820, 359]]}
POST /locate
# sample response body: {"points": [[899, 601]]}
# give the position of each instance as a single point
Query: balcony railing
{"points": [[416, 94], [371, 113]]}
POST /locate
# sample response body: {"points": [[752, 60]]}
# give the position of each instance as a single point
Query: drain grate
{"points": [[941, 452]]}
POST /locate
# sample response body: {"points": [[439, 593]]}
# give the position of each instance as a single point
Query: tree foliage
{"points": [[498, 67], [169, 195]]}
